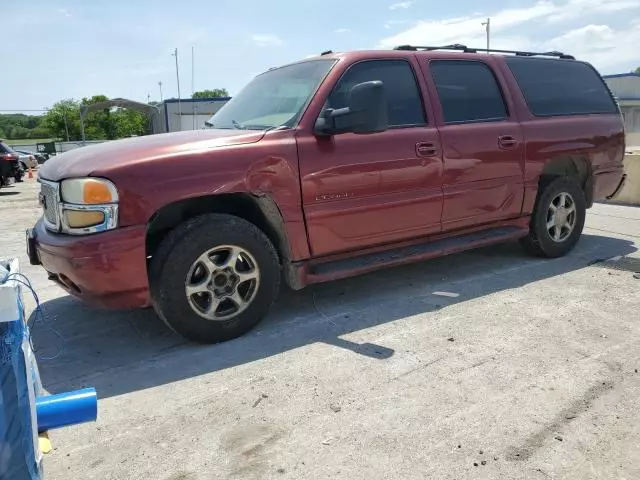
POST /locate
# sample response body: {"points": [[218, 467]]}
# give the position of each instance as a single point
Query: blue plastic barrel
{"points": [[63, 409]]}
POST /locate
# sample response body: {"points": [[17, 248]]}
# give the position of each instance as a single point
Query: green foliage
{"points": [[62, 121], [638, 70], [15, 126], [64, 117], [107, 124], [215, 93]]}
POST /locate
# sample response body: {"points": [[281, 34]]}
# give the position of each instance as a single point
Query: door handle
{"points": [[426, 149], [507, 141]]}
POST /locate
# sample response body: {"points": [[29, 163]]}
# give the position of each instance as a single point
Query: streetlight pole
{"points": [[175, 54], [160, 85], [487, 26]]}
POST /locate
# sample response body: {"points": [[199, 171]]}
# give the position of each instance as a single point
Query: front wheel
{"points": [[214, 278], [557, 220]]}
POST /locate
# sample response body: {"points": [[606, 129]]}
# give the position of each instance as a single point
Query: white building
{"points": [[186, 114], [626, 88]]}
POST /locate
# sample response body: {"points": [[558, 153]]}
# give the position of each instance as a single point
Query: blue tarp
{"points": [[19, 455]]}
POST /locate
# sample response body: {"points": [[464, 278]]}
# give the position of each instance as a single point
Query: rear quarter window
{"points": [[4, 148], [561, 87]]}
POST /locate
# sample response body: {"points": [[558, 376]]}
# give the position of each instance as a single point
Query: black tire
{"points": [[539, 241], [177, 253]]}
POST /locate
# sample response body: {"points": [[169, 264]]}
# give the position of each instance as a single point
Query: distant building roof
{"points": [[119, 102], [192, 100], [620, 75]]}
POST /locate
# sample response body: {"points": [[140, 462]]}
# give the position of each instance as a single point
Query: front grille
{"points": [[49, 193]]}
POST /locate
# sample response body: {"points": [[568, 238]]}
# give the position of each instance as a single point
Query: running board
{"points": [[349, 267]]}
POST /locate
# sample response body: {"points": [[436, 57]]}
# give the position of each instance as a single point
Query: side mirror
{"points": [[366, 112]]}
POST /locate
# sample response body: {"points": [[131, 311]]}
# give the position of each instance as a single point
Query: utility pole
{"points": [[83, 110], [193, 104], [487, 26], [160, 85], [66, 127], [175, 54]]}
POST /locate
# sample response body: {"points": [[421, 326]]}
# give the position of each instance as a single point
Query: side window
{"points": [[403, 95], [561, 87], [468, 91]]}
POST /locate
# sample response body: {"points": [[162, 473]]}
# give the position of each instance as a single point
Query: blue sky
{"points": [[69, 49]]}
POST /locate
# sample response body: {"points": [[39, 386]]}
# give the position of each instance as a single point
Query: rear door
{"points": [[482, 143], [364, 190]]}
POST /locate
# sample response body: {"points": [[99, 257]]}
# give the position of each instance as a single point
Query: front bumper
{"points": [[107, 269]]}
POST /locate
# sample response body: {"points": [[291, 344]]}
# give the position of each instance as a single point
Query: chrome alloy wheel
{"points": [[222, 282], [561, 217]]}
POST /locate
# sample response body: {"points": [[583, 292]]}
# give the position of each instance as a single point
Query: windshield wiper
{"points": [[237, 125]]}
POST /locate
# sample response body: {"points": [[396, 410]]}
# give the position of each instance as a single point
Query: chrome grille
{"points": [[49, 199]]}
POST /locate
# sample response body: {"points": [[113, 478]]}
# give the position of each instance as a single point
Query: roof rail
{"points": [[465, 49]]}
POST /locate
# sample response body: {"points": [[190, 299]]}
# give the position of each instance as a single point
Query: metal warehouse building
{"points": [[175, 115], [626, 88]]}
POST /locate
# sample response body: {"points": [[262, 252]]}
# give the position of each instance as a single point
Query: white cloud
{"points": [[577, 8], [539, 27], [391, 23], [465, 29], [64, 12], [266, 40], [396, 6], [342, 30], [600, 45]]}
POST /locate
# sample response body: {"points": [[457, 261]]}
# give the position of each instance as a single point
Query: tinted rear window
{"points": [[4, 148], [561, 87]]}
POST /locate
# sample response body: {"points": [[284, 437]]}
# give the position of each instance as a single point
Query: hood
{"points": [[91, 160]]}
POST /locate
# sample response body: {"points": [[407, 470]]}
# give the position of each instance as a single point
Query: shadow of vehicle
{"points": [[5, 193], [120, 352]]}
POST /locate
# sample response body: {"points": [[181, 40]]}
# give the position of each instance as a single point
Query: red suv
{"points": [[327, 168]]}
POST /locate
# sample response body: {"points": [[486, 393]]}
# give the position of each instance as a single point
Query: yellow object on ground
{"points": [[44, 442]]}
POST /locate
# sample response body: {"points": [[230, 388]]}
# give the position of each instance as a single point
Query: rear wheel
{"points": [[214, 278], [558, 218]]}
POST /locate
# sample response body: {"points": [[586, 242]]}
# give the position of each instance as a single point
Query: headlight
{"points": [[88, 191], [88, 205]]}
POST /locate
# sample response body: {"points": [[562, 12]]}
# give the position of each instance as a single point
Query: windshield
{"points": [[274, 99]]}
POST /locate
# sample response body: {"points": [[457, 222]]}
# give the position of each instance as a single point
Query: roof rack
{"points": [[465, 49]]}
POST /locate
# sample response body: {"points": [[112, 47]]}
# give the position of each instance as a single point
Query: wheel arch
{"points": [[576, 166], [262, 211]]}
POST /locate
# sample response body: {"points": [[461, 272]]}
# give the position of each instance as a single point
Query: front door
{"points": [[365, 190], [483, 145]]}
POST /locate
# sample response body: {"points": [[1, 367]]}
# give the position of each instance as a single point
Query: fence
{"points": [[61, 147]]}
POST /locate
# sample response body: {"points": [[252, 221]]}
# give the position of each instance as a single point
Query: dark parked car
{"points": [[331, 167], [10, 168]]}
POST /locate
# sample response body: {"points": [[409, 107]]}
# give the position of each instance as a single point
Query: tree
{"points": [[105, 124], [16, 126], [638, 70], [215, 93], [63, 120]]}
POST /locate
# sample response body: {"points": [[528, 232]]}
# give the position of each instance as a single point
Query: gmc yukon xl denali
{"points": [[334, 166]]}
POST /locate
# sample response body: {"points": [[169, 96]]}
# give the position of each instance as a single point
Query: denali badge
{"points": [[332, 196]]}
